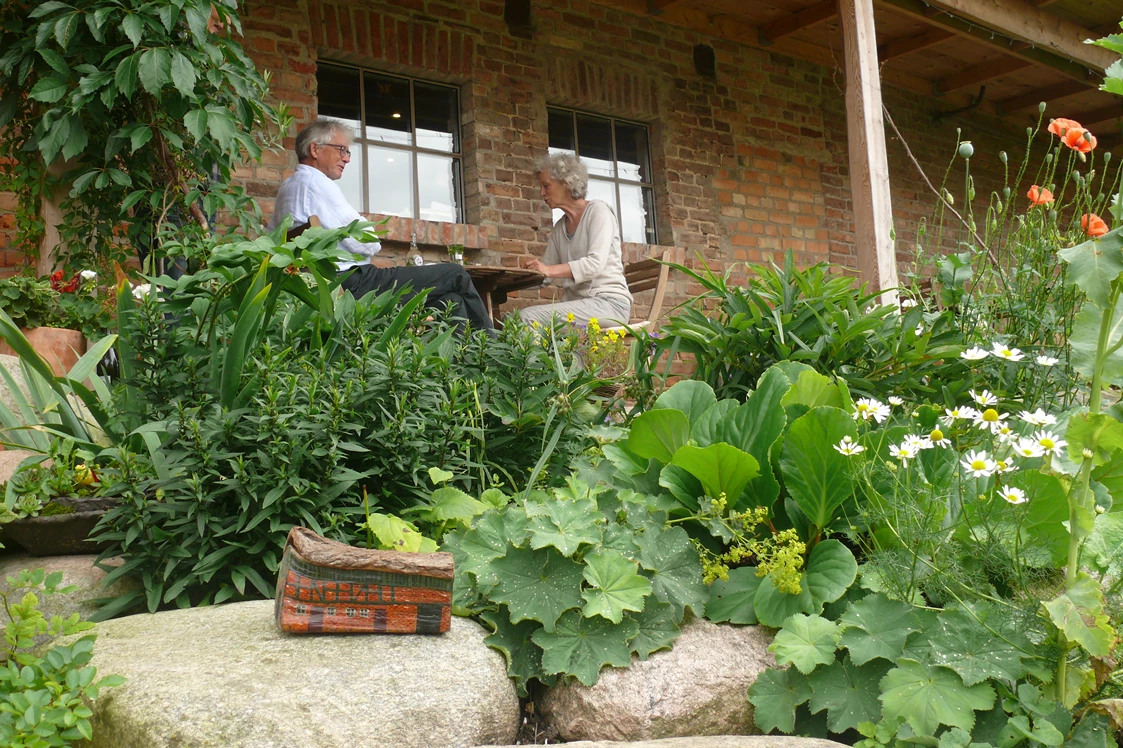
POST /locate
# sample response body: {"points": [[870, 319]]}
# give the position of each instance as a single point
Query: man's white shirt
{"points": [[311, 192]]}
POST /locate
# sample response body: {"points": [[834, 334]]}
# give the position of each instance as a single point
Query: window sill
{"points": [[431, 233]]}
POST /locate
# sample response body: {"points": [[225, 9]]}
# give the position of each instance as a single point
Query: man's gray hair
{"points": [[567, 169], [320, 132]]}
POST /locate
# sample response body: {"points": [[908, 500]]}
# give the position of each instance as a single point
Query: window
{"points": [[406, 157], [619, 164]]}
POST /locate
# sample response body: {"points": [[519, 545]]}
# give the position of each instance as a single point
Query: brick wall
{"points": [[748, 164]]}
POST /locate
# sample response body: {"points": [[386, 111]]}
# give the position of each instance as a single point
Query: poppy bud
{"points": [[1041, 108], [1107, 158], [1002, 156], [1052, 216], [1048, 158], [1005, 193], [1036, 233], [966, 150]]}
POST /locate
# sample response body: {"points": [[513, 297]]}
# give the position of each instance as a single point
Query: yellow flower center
{"points": [[1047, 443], [990, 415], [978, 465], [936, 435]]}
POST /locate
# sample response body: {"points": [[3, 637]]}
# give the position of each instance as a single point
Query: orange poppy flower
{"points": [[1079, 139], [1093, 225], [1059, 126], [1039, 195]]}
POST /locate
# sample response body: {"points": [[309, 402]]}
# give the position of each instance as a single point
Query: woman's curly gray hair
{"points": [[567, 169], [320, 132]]}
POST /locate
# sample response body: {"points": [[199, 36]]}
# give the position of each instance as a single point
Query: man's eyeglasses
{"points": [[344, 151]]}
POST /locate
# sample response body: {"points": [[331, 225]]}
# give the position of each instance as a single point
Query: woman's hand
{"points": [[550, 271]]}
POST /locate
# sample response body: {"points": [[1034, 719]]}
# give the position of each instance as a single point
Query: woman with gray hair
{"points": [[583, 250]]}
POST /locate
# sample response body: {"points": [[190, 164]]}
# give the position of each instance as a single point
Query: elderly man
{"points": [[323, 149]]}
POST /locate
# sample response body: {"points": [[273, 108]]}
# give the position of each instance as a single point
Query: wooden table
{"points": [[494, 283]]}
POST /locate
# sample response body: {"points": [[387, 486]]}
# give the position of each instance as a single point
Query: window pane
{"points": [[594, 144], [602, 190], [390, 178], [631, 153], [338, 94], [435, 108], [560, 126], [387, 105], [649, 208], [352, 180], [435, 178], [633, 214]]}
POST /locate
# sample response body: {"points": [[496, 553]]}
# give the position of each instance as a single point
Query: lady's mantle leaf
{"points": [[930, 696], [877, 627], [732, 600], [615, 585], [848, 692], [775, 695], [582, 646], [539, 585], [513, 641], [971, 650], [805, 641], [565, 525], [676, 572], [657, 628]]}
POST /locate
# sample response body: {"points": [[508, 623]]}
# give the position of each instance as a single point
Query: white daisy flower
{"points": [[867, 408], [1037, 418], [1010, 354], [959, 413], [849, 447], [989, 419], [917, 442], [908, 303], [1004, 466], [938, 439], [88, 274], [1004, 432], [1028, 447], [903, 451], [139, 292], [894, 400], [984, 398], [1013, 495], [1047, 361], [1049, 442], [978, 464], [975, 354]]}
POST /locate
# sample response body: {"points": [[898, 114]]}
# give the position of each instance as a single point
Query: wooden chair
{"points": [[295, 231], [645, 275]]}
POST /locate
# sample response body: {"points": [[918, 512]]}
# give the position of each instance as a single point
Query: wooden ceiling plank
{"points": [[1103, 114], [1047, 94], [904, 45], [799, 20], [920, 10], [1035, 25], [658, 7], [981, 73]]}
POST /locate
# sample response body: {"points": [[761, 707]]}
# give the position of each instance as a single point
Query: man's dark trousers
{"points": [[447, 284]]}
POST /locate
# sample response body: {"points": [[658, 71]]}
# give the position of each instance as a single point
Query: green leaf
{"points": [[396, 534], [755, 427], [183, 74], [448, 503], [772, 607], [657, 628], [49, 89], [566, 525], [513, 641], [1084, 340], [676, 571], [775, 695], [125, 76], [877, 627], [690, 397], [139, 137], [806, 642], [133, 26], [438, 476], [615, 585], [1044, 517], [848, 692], [1104, 547], [964, 645], [538, 585], [732, 601], [222, 128], [581, 646], [1094, 731], [196, 123], [815, 474], [721, 468], [682, 485], [1079, 614], [1093, 265], [705, 430], [487, 541], [831, 569], [930, 696], [813, 390], [154, 69], [658, 434], [1097, 432]]}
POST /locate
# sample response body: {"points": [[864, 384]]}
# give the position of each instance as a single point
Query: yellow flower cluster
{"points": [[781, 559]]}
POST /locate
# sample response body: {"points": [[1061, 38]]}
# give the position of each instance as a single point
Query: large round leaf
{"points": [[772, 607], [754, 427], [815, 474], [691, 397], [721, 468], [732, 599], [705, 430], [831, 569], [658, 434]]}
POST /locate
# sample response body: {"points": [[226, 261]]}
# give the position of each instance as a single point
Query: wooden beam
{"points": [[977, 74], [904, 45], [920, 10], [657, 7], [1104, 114], [865, 136], [1026, 21], [803, 19], [1047, 94]]}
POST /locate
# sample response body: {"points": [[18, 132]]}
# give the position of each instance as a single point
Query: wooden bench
{"points": [[649, 274]]}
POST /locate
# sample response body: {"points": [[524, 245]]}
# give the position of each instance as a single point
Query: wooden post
{"points": [[865, 135]]}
